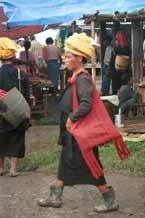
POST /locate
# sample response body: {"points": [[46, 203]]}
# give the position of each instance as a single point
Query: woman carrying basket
{"points": [[12, 142]]}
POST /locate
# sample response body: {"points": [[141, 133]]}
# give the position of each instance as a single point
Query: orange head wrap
{"points": [[8, 48], [121, 38], [81, 45]]}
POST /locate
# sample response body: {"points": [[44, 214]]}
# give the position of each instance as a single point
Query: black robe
{"points": [[115, 75], [72, 167], [12, 143]]}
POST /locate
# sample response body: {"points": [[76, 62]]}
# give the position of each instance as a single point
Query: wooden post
{"points": [[116, 28], [137, 52], [103, 35], [74, 27], [94, 55]]}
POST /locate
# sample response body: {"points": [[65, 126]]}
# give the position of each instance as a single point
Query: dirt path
{"points": [[19, 195], [19, 198]]}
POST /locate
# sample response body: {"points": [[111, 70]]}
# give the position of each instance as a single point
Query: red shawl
{"points": [[95, 129], [2, 93], [121, 38]]}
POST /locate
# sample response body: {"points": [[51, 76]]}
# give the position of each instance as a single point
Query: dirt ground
{"points": [[19, 195]]}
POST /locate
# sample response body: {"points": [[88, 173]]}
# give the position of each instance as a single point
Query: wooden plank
{"points": [[103, 36], [137, 52]]}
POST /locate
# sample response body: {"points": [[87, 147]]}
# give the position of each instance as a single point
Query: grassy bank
{"points": [[48, 160], [134, 164], [42, 160], [48, 121]]}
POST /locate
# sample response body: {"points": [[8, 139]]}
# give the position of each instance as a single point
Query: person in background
{"points": [[52, 56], [121, 48], [12, 142], [77, 166], [127, 96], [36, 49], [26, 55], [20, 42], [105, 76]]}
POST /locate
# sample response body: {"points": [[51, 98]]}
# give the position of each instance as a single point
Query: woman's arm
{"points": [[84, 92]]}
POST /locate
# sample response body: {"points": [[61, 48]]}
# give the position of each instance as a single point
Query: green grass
{"points": [[44, 160], [134, 164], [48, 160], [47, 121]]}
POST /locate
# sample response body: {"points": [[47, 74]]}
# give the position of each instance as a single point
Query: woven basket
{"points": [[18, 109], [121, 62]]}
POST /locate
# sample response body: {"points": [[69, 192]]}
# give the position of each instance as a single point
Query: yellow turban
{"points": [[80, 44], [8, 48]]}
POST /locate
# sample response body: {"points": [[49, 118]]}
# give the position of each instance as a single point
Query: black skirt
{"points": [[12, 143], [72, 167]]}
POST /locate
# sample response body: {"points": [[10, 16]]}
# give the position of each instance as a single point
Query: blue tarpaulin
{"points": [[32, 12]]}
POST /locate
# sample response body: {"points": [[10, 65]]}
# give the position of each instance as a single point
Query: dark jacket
{"points": [[117, 51], [84, 92], [115, 75], [9, 79]]}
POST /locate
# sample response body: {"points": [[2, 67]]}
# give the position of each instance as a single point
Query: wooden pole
{"points": [[103, 35], [93, 61], [137, 52], [74, 27]]}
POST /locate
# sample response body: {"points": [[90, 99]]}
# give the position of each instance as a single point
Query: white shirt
{"points": [[108, 53], [18, 53]]}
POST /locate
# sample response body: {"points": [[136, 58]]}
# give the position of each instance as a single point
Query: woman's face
{"points": [[72, 61]]}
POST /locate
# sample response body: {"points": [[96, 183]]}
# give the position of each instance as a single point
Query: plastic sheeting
{"points": [[40, 12], [16, 32], [20, 31]]}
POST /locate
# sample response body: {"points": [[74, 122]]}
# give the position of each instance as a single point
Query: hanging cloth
{"points": [[95, 129]]}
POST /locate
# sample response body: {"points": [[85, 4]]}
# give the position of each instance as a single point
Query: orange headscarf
{"points": [[121, 38], [8, 48], [80, 44]]}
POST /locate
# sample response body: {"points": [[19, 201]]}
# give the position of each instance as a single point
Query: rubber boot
{"points": [[110, 204], [54, 199]]}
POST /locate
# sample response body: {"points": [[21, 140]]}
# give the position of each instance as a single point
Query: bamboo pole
{"points": [[93, 60]]}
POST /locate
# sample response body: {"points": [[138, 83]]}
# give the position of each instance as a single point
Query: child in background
{"points": [[127, 96]]}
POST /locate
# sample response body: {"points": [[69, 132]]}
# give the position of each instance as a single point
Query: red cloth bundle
{"points": [[2, 93], [95, 129]]}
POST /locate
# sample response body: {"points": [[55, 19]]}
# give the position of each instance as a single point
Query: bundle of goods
{"points": [[14, 109], [122, 62], [2, 93]]}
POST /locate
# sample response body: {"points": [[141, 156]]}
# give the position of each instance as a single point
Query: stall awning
{"points": [[30, 12], [16, 32]]}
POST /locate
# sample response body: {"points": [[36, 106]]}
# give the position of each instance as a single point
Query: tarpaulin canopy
{"points": [[16, 32], [30, 12]]}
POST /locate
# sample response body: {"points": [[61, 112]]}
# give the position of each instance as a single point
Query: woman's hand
{"points": [[68, 124]]}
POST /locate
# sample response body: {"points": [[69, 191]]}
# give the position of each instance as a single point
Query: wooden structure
{"points": [[135, 23]]}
